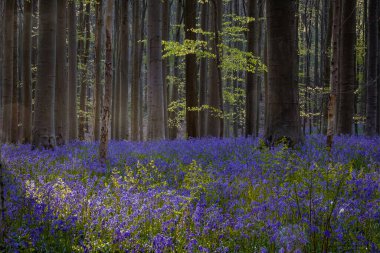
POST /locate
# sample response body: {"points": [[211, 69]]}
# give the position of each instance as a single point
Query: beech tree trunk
{"points": [[191, 72], [27, 73], [43, 127], [252, 91], [378, 69], [135, 72], [83, 80], [203, 75], [116, 88], [61, 95], [15, 103], [347, 67], [283, 123], [8, 69], [124, 67], [165, 62], [72, 76], [156, 127], [332, 104], [2, 4], [98, 67], [214, 121], [106, 114], [371, 68]]}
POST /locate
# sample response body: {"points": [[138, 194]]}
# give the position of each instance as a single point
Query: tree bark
{"points": [[371, 68], [135, 72], [14, 124], [191, 72], [61, 95], [98, 67], [8, 69], [27, 73], [165, 62], [124, 67], [108, 85], [332, 104], [378, 69], [115, 118], [203, 76], [252, 91], [155, 101], [72, 76], [215, 102], [326, 59], [283, 123], [347, 67], [85, 50], [43, 127]]}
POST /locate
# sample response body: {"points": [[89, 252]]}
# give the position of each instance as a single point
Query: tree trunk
{"points": [[98, 68], [108, 85], [72, 76], [326, 59], [252, 91], [135, 72], [378, 69], [371, 68], [8, 69], [124, 66], [27, 73], [283, 123], [191, 72], [115, 118], [43, 127], [156, 125], [203, 76], [165, 62], [2, 4], [61, 95], [14, 124], [347, 67], [215, 113], [332, 104], [84, 49]]}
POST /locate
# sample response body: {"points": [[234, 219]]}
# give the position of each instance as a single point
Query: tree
{"points": [[124, 66], [83, 80], [191, 71], [203, 75], [43, 127], [215, 99], [98, 67], [61, 94], [72, 76], [371, 68], [135, 72], [8, 69], [347, 67], [27, 73], [283, 119], [252, 86], [332, 104], [1, 62], [156, 127], [15, 102], [116, 82], [165, 62], [106, 114]]}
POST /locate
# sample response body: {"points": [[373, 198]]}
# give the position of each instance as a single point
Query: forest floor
{"points": [[210, 195]]}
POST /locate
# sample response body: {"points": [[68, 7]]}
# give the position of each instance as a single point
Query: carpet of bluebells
{"points": [[210, 195]]}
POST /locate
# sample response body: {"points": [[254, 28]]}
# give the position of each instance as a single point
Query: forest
{"points": [[190, 126]]}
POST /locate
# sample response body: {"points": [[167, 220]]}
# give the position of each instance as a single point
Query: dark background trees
{"points": [[189, 68]]}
